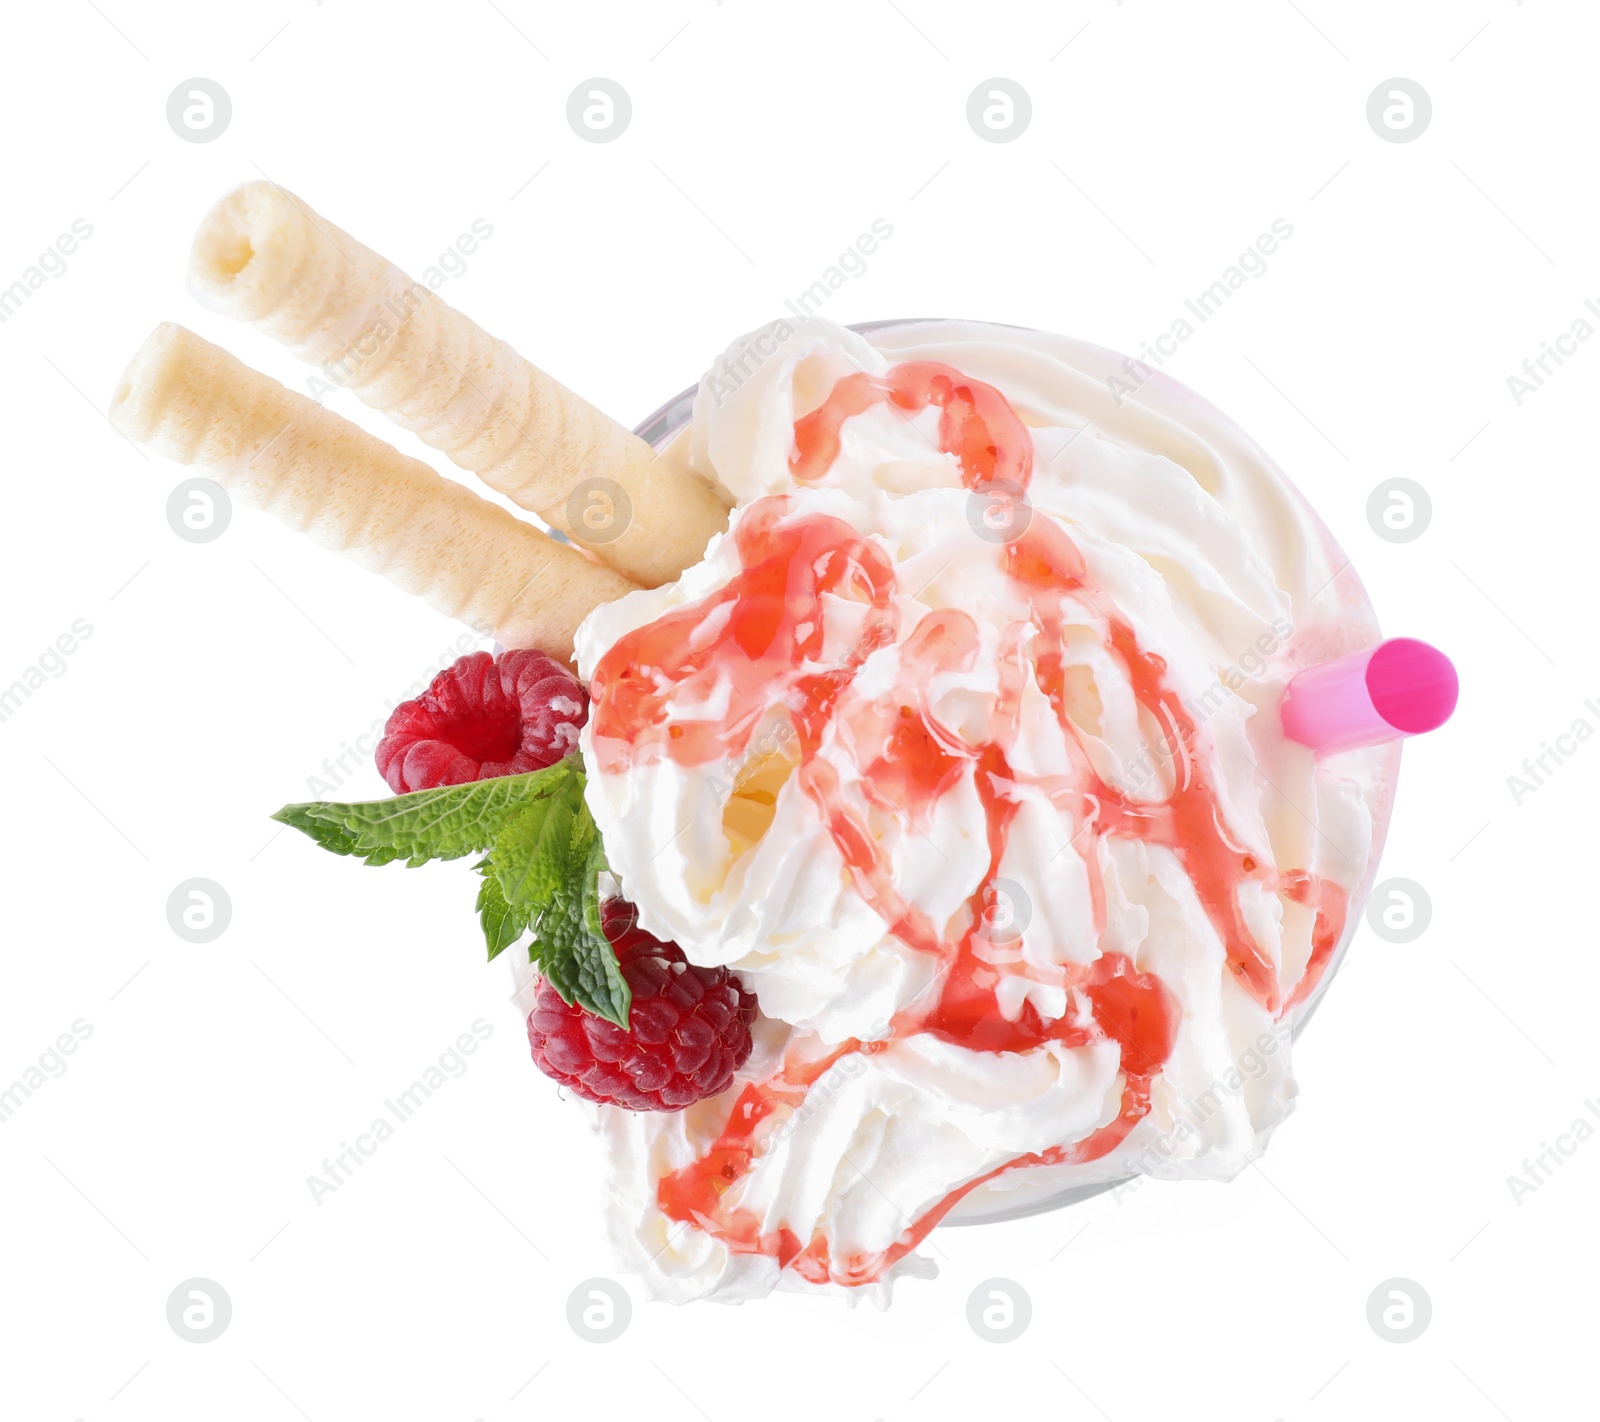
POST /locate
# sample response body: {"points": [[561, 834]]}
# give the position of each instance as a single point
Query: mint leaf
{"points": [[580, 963], [532, 853], [546, 863], [545, 868], [597, 980], [594, 864], [443, 823], [327, 829], [502, 924]]}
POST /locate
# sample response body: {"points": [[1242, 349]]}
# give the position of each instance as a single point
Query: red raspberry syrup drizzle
{"points": [[760, 638]]}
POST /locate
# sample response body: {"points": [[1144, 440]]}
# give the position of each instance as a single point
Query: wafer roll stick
{"points": [[261, 255], [276, 450]]}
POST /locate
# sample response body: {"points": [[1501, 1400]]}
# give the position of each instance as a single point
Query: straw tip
{"points": [[1413, 685]]}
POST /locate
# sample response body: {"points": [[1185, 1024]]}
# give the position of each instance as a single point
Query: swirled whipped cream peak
{"points": [[960, 749]]}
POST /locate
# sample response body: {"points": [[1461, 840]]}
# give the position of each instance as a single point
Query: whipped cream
{"points": [[961, 749]]}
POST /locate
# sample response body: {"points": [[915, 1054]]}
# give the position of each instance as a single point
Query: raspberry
{"points": [[482, 717], [690, 1027]]}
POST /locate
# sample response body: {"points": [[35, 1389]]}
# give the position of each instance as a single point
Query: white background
{"points": [[765, 137]]}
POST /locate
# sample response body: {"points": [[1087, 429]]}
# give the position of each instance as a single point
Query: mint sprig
{"points": [[541, 867]]}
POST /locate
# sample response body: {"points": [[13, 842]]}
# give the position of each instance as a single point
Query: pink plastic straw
{"points": [[1401, 687]]}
